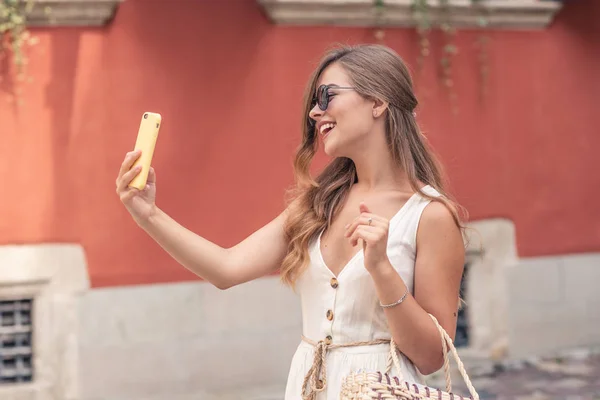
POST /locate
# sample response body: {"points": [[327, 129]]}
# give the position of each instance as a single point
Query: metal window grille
{"points": [[462, 323], [15, 341]]}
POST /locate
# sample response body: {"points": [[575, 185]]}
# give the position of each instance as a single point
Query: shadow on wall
{"points": [[59, 98]]}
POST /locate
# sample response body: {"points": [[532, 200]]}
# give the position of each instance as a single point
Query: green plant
{"points": [[14, 35], [424, 25], [14, 40], [449, 52], [482, 44], [421, 12], [379, 8]]}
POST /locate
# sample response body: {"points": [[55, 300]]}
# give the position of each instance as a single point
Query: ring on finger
{"points": [[370, 220]]}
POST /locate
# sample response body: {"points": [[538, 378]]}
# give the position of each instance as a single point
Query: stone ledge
{"points": [[499, 14], [63, 267], [72, 12], [25, 391]]}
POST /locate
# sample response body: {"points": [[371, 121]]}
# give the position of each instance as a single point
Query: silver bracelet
{"points": [[395, 303]]}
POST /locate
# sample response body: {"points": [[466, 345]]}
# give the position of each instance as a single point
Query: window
{"points": [[462, 322], [15, 341]]}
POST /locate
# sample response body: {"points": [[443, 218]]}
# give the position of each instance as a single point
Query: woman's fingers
{"points": [[128, 162], [367, 219], [366, 233], [151, 176], [127, 178]]}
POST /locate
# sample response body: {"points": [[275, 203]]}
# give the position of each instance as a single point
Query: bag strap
{"points": [[447, 346]]}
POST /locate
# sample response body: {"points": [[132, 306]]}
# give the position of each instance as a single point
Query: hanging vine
{"points": [[482, 44], [421, 11], [14, 35], [14, 40], [379, 8], [449, 52]]}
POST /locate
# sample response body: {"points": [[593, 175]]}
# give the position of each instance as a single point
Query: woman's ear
{"points": [[379, 107]]}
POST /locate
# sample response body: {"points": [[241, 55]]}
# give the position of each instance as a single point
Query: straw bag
{"points": [[376, 385]]}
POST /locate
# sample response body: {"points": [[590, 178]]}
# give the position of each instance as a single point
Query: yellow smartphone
{"points": [[146, 141]]}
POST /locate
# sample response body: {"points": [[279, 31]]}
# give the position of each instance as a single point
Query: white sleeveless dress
{"points": [[346, 308]]}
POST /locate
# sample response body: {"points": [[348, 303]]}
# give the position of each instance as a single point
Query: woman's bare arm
{"points": [[259, 254]]}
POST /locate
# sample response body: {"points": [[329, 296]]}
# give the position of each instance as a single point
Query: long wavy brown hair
{"points": [[376, 72]]}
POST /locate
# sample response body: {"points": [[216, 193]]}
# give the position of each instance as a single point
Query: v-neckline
{"points": [[359, 252]]}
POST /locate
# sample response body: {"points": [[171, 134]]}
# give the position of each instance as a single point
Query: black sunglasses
{"points": [[323, 95]]}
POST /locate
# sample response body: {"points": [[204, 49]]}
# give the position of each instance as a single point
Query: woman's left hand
{"points": [[373, 230]]}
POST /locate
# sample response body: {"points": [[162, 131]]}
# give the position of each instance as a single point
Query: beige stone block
{"points": [[187, 339], [491, 255], [553, 304], [54, 276]]}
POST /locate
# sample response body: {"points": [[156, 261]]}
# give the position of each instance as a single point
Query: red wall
{"points": [[228, 84]]}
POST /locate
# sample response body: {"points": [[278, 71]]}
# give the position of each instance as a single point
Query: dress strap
{"points": [[315, 380], [407, 208]]}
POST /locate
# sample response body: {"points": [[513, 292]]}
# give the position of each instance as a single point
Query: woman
{"points": [[372, 246]]}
